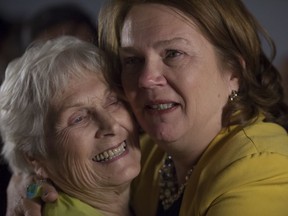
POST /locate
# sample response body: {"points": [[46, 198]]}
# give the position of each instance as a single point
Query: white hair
{"points": [[30, 83]]}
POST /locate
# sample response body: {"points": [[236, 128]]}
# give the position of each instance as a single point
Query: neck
{"points": [[187, 150], [184, 159], [181, 172]]}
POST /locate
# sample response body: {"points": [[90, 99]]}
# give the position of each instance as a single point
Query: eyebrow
{"points": [[157, 44], [171, 41], [80, 102]]}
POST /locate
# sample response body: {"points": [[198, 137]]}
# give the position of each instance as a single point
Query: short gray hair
{"points": [[31, 82]]}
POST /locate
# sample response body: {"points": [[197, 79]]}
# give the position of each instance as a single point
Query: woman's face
{"points": [[171, 75], [94, 139]]}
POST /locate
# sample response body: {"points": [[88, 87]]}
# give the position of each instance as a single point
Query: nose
{"points": [[106, 125], [151, 74]]}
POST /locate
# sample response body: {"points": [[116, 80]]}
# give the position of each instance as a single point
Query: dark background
{"points": [[272, 14]]}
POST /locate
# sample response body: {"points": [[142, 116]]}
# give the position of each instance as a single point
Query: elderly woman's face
{"points": [[94, 139], [171, 75]]}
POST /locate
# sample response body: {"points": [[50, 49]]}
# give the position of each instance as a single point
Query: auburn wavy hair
{"points": [[237, 38]]}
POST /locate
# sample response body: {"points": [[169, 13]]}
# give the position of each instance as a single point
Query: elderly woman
{"points": [[60, 120], [200, 85]]}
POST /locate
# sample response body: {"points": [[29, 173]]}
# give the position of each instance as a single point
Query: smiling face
{"points": [[172, 77], [94, 142]]}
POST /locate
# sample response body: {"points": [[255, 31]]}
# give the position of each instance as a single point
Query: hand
{"points": [[18, 204]]}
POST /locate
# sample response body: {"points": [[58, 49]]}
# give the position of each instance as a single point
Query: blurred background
{"points": [[24, 21], [271, 14]]}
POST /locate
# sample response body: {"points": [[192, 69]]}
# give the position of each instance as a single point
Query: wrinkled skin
{"points": [[87, 120]]}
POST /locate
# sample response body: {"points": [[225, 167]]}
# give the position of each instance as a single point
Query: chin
{"points": [[128, 169], [126, 176], [163, 135]]}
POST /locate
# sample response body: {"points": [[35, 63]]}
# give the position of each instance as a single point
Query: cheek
{"points": [[129, 94], [129, 83], [70, 149], [126, 120], [72, 172], [70, 144], [201, 92]]}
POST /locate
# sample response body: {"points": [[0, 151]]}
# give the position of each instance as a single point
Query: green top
{"points": [[69, 206], [243, 172]]}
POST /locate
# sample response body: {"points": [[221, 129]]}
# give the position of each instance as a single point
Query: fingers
{"points": [[24, 207], [15, 192], [33, 191], [17, 189], [49, 193], [43, 189], [30, 208]]}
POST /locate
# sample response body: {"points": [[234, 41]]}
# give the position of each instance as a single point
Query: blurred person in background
{"points": [[57, 20], [9, 43]]}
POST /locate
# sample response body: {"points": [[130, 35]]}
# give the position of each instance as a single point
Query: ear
{"points": [[234, 78], [233, 82], [242, 62], [37, 166]]}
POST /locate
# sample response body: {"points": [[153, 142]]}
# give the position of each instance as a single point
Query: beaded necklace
{"points": [[169, 189]]}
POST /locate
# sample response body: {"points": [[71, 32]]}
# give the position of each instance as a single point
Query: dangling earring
{"points": [[233, 95]]}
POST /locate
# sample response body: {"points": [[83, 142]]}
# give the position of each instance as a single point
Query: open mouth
{"points": [[162, 106], [110, 153]]}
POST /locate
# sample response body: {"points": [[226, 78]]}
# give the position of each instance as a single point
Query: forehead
{"points": [[155, 19], [87, 85]]}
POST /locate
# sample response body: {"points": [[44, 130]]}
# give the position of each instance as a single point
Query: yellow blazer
{"points": [[243, 172]]}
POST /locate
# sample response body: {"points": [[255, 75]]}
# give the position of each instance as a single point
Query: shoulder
{"points": [[255, 155], [67, 205], [256, 140], [266, 137], [249, 166]]}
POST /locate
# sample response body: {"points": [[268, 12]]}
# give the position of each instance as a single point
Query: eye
{"points": [[132, 60], [78, 117], [172, 53], [112, 102]]}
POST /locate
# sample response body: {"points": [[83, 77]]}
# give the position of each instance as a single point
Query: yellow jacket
{"points": [[69, 206], [243, 172]]}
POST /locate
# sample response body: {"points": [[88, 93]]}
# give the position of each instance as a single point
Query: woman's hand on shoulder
{"points": [[17, 202]]}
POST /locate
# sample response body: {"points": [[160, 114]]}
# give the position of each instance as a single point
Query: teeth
{"points": [[162, 106], [110, 154]]}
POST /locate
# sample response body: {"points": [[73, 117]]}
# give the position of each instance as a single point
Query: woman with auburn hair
{"points": [[200, 85]]}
